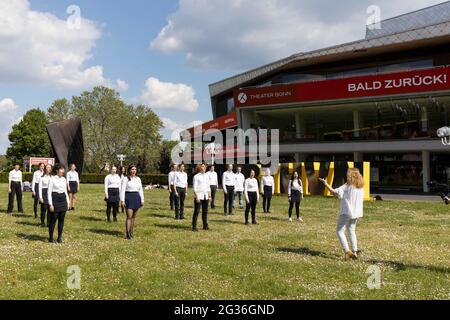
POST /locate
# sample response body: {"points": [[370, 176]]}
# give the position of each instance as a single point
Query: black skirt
{"points": [[45, 195], [73, 187], [59, 202], [113, 195], [295, 196], [132, 200], [267, 191]]}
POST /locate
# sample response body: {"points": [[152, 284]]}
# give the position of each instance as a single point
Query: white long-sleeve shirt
{"points": [[201, 186], [58, 185], [181, 180], [251, 185], [352, 201], [73, 176], [43, 184], [171, 178], [228, 179], [132, 185], [213, 179], [240, 179], [295, 185], [15, 176], [36, 178], [112, 181], [268, 181]]}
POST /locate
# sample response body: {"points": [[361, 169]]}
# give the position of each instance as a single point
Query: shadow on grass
{"points": [[174, 226], [400, 266], [308, 252], [161, 216], [110, 233], [29, 224], [32, 237], [92, 219], [21, 215], [228, 221]]}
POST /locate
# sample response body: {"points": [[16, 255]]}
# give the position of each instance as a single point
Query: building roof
{"points": [[426, 25]]}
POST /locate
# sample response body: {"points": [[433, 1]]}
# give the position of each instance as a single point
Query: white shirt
{"points": [[352, 200], [202, 187], [181, 180], [251, 185], [59, 185], [36, 178], [132, 185], [112, 181], [172, 177], [213, 179], [73, 176], [295, 186], [228, 179], [15, 176], [268, 181], [43, 184], [240, 179]]}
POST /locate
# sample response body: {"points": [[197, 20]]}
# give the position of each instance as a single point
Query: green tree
{"points": [[60, 110], [3, 163], [29, 138], [165, 155]]}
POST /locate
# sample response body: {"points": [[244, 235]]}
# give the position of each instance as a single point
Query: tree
{"points": [[29, 138], [165, 155], [3, 162], [60, 110]]}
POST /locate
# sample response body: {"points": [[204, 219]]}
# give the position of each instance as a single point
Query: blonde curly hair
{"points": [[354, 178]]}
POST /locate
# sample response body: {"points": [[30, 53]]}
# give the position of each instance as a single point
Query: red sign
{"points": [[436, 79], [38, 161], [222, 123]]}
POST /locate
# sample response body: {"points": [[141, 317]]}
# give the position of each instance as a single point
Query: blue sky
{"points": [[165, 52]]}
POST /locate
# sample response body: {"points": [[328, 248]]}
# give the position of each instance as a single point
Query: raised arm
{"points": [[333, 191]]}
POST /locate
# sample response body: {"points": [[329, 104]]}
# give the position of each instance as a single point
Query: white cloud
{"points": [[167, 95], [238, 34], [121, 85], [172, 129], [40, 48], [8, 118]]}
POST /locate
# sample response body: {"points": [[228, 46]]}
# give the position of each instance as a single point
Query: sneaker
{"points": [[300, 219], [350, 256], [290, 219]]}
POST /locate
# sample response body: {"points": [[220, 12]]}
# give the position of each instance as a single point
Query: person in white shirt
{"points": [[214, 182], [202, 194], [35, 187], [132, 197], [44, 182], [113, 183], [240, 179], [171, 181], [73, 185], [181, 189], [123, 175], [228, 185], [15, 188], [267, 189], [295, 195], [251, 196], [58, 201], [351, 195]]}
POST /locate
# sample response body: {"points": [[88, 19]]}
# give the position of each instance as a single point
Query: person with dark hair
{"points": [[35, 187], [213, 182], [73, 185], [58, 201], [171, 181], [240, 180], [202, 192], [112, 194], [251, 189], [15, 188], [229, 186], [181, 188], [43, 193], [295, 195], [132, 198], [123, 175], [267, 189]]}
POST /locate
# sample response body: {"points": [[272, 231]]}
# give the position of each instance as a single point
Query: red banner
{"points": [[222, 123], [430, 80]]}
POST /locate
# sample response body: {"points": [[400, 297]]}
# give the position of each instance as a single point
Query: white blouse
{"points": [[132, 185], [112, 181], [181, 180], [58, 185], [213, 179], [36, 178], [43, 184], [295, 185], [172, 177], [352, 201], [268, 181], [15, 176], [201, 186], [73, 176], [228, 179], [240, 179], [251, 185]]}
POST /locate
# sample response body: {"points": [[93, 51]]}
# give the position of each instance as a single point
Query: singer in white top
{"points": [[44, 182], [73, 185], [132, 197], [202, 193], [267, 189], [113, 183], [251, 197], [181, 188], [295, 195], [58, 201], [35, 187], [240, 179], [214, 182], [15, 188], [351, 195], [171, 181], [229, 186]]}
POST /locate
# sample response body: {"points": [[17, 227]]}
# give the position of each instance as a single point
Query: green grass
{"points": [[409, 241]]}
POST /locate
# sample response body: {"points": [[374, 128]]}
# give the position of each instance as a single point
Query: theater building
{"points": [[380, 99]]}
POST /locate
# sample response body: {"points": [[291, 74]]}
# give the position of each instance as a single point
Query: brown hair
{"points": [[354, 178]]}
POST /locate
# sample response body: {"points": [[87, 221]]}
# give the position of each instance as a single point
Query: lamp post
{"points": [[121, 158]]}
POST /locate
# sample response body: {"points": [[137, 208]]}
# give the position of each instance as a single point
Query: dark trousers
{"points": [[36, 200], [172, 198], [179, 203], [253, 198], [297, 208], [114, 207], [44, 211], [239, 196], [213, 196], [266, 204], [204, 206], [16, 190], [53, 217], [228, 200]]}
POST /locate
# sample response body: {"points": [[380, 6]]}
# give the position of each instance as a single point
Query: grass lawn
{"points": [[408, 241]]}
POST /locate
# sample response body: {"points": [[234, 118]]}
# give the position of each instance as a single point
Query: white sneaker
{"points": [[290, 219], [300, 220]]}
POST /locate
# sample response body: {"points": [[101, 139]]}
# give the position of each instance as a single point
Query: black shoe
{"points": [[60, 241], [194, 229], [246, 223], [115, 219], [182, 218], [254, 222], [51, 241], [206, 228]]}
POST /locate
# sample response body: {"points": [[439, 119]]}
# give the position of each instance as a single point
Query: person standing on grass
{"points": [[15, 188], [267, 189], [73, 185], [214, 182], [202, 192], [58, 201], [132, 198], [123, 175], [113, 183], [295, 194], [35, 187], [229, 186], [240, 179], [181, 188], [171, 181], [351, 195], [44, 182], [251, 190]]}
